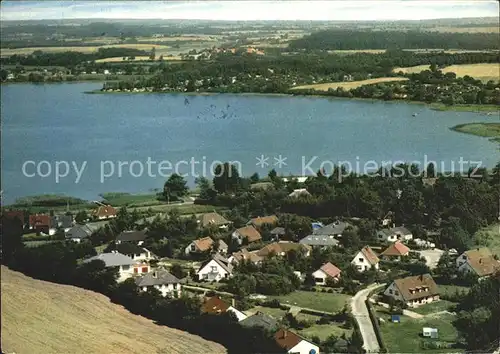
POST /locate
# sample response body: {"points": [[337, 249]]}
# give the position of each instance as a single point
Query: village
{"points": [[313, 289]]}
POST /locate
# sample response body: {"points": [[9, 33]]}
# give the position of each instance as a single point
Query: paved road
{"points": [[360, 313]]}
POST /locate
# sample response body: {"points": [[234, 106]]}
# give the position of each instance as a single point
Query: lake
{"points": [[85, 137]]}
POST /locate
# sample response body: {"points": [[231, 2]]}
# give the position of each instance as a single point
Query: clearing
{"points": [[489, 237], [347, 85], [326, 302], [406, 336], [43, 317], [484, 71]]}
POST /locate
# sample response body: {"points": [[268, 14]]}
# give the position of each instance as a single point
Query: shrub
{"points": [[274, 303]]}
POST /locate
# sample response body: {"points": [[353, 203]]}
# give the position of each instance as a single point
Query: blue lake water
{"points": [[59, 122]]}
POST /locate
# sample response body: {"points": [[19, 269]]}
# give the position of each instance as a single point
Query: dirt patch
{"points": [[43, 317]]}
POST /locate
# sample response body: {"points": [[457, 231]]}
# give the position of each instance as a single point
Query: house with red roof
{"points": [[215, 305], [327, 270], [42, 223], [365, 259], [104, 212], [395, 251], [293, 343]]}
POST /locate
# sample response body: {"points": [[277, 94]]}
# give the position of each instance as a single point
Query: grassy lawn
{"points": [[406, 337], [347, 85], [324, 331], [441, 305], [490, 237], [452, 289], [122, 199], [315, 300], [31, 244], [277, 313], [487, 130]]}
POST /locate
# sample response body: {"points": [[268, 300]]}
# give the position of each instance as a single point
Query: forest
{"points": [[335, 39]]}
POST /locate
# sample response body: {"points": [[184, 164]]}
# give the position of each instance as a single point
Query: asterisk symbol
{"points": [[280, 161], [262, 161]]}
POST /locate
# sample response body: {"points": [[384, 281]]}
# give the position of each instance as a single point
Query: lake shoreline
{"points": [[434, 106]]}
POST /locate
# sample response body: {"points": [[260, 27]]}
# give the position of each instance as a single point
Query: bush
{"points": [[274, 303], [330, 291], [323, 320]]}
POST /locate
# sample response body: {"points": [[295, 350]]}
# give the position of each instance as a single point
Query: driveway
{"points": [[431, 257], [360, 313]]}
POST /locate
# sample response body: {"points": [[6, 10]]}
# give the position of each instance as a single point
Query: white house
{"points": [[163, 281], [394, 234], [413, 291], [326, 271], [301, 192], [215, 269], [292, 343], [479, 261], [365, 259], [126, 266]]}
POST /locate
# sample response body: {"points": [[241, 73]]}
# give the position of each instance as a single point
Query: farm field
{"points": [[328, 302], [160, 49], [43, 317], [139, 58], [473, 29], [485, 71], [347, 85]]}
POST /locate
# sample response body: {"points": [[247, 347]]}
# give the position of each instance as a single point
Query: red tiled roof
{"points": [[330, 270], [214, 305], [263, 220], [105, 211], [482, 261], [370, 256], [250, 233], [396, 249], [286, 339], [282, 247], [39, 220], [203, 244]]}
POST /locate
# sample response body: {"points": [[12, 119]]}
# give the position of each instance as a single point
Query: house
{"points": [[335, 229], [214, 219], [395, 251], [215, 305], [327, 270], [388, 219], [365, 259], [64, 222], [205, 244], [278, 232], [104, 212], [42, 223], [263, 220], [215, 269], [413, 291], [301, 192], [244, 255], [319, 241], [106, 72], [126, 266], [300, 179], [79, 233], [479, 261], [136, 237], [163, 281], [262, 320], [249, 233], [394, 234], [282, 248], [133, 251], [292, 343]]}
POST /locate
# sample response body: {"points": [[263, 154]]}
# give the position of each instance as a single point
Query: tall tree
{"points": [[175, 187], [227, 178]]}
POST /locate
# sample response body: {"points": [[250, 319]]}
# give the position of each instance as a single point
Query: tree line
{"points": [[337, 39]]}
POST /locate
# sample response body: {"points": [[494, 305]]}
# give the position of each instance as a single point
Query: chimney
{"points": [[284, 333], [480, 260], [233, 303]]}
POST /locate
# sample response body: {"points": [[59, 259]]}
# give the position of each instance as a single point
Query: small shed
{"points": [[395, 319], [430, 332]]}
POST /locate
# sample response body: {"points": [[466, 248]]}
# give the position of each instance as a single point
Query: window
{"points": [[144, 269], [175, 286], [193, 248], [136, 270], [390, 291], [396, 292], [213, 269], [360, 259], [360, 267]]}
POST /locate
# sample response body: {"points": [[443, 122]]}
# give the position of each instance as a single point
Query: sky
{"points": [[347, 10]]}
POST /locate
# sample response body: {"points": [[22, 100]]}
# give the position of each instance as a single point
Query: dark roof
{"points": [[79, 232], [278, 231], [320, 240], [405, 285], [132, 236], [335, 228], [128, 248], [260, 319], [158, 277]]}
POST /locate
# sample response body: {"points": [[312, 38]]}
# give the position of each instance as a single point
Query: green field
{"points": [[277, 313], [487, 130], [131, 200], [452, 289], [326, 302], [406, 337], [482, 108], [436, 306], [489, 237], [323, 331]]}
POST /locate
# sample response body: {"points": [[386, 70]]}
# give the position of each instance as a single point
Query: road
{"points": [[431, 256], [360, 313]]}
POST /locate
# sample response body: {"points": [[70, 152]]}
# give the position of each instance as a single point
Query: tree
{"points": [[255, 178], [153, 54], [227, 178], [454, 236], [175, 187], [178, 271], [206, 191], [431, 170], [81, 217]]}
